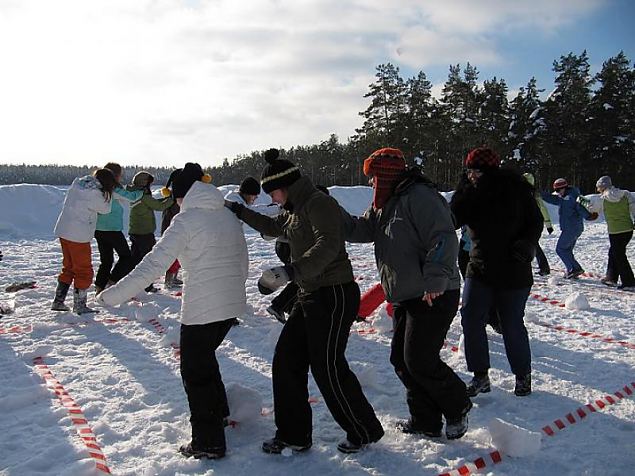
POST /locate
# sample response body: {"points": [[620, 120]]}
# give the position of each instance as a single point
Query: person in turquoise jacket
{"points": [[571, 214], [619, 208], [110, 237]]}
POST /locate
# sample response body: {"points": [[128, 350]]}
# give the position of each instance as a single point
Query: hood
{"points": [[203, 195], [88, 182], [613, 194]]}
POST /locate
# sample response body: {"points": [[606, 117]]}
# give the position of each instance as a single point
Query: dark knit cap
{"points": [[278, 173], [175, 173], [183, 181], [482, 158], [249, 186]]}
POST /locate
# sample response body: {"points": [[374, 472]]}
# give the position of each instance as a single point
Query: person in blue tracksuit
{"points": [[571, 214]]}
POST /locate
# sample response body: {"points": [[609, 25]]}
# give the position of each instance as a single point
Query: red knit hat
{"points": [[482, 158], [560, 183], [386, 167]]}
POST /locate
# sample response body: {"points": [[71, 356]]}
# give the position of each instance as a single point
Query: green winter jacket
{"points": [[311, 223], [539, 201], [619, 207], [142, 218]]}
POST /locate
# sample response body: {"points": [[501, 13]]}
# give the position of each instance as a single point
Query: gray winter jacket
{"points": [[415, 243]]}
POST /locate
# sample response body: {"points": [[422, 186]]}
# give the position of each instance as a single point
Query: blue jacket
{"points": [[113, 221], [571, 212]]}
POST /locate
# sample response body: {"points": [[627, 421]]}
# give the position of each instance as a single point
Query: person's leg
{"points": [[67, 275], [564, 249], [624, 271], [124, 261], [612, 275], [475, 312], [199, 371], [82, 264], [511, 306], [543, 264], [105, 248], [464, 259], [329, 313], [576, 265]]}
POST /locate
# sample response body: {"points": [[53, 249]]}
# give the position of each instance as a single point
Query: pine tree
{"points": [[493, 116]]}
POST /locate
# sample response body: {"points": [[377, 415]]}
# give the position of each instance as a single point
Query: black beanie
{"points": [[249, 186], [173, 175], [278, 173], [183, 181]]}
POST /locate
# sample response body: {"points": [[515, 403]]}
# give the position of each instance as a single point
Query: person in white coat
{"points": [[75, 227], [209, 243]]}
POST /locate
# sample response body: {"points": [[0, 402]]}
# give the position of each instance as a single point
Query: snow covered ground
{"points": [[124, 374]]}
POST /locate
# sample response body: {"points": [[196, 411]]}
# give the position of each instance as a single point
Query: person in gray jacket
{"points": [[415, 250]]}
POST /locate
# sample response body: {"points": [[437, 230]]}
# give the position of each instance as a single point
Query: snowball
{"points": [[553, 281], [513, 440], [383, 322], [245, 404], [577, 301]]}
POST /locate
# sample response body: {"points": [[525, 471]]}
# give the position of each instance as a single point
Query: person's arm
{"points": [[359, 229], [127, 195], [100, 203], [550, 198], [154, 264], [266, 225], [157, 205]]}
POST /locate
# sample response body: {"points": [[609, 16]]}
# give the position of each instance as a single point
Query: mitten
{"points": [[274, 278]]}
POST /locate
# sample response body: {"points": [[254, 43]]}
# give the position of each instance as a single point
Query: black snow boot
{"points": [[192, 451], [79, 302], [276, 446], [523, 385], [457, 427], [60, 297], [479, 384], [411, 428]]}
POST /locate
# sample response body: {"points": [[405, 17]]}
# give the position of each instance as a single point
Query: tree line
{"points": [[583, 129]]}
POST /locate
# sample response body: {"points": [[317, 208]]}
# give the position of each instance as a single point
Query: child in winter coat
{"points": [[143, 223], [75, 228], [110, 237], [208, 240], [619, 209], [571, 214]]}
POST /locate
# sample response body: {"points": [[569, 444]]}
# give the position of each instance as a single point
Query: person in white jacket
{"points": [[75, 228], [209, 243]]}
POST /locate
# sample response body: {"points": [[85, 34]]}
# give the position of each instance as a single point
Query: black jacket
{"points": [[504, 224]]}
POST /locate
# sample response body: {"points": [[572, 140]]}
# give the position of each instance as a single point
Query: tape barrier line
{"points": [[547, 300], [16, 329], [162, 330], [591, 335], [29, 328], [560, 424], [75, 412]]}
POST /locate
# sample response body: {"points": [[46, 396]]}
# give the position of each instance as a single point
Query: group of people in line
{"points": [[413, 231]]}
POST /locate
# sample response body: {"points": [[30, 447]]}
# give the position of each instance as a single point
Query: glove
{"points": [[585, 202], [0, 255], [274, 278], [235, 207], [523, 251], [267, 237], [550, 230]]}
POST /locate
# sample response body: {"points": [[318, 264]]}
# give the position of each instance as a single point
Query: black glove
{"points": [[234, 207], [0, 255], [550, 230], [523, 251]]}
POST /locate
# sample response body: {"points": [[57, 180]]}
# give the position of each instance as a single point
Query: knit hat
{"points": [[385, 166], [604, 182], [482, 158], [183, 181], [142, 179], [560, 183], [165, 191], [279, 173], [249, 186]]}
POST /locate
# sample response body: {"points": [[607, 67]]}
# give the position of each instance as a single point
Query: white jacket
{"points": [[78, 219], [208, 241]]}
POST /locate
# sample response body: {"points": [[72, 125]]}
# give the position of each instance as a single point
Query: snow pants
{"points": [[618, 266], [433, 389], [109, 242], [315, 337], [564, 249], [543, 264], [141, 246], [77, 265], [203, 382], [478, 299]]}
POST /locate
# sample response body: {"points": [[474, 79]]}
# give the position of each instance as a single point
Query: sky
{"points": [[164, 82]]}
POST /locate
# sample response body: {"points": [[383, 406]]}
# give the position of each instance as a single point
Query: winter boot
{"points": [[60, 296], [479, 384], [79, 302], [151, 289], [410, 428], [608, 282], [279, 315], [276, 446], [523, 385], [457, 427], [190, 451]]}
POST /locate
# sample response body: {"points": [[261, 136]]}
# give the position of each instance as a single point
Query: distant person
{"points": [[247, 193], [543, 264], [143, 223], [110, 237], [619, 208], [504, 224], [75, 227], [171, 280], [571, 214], [209, 242], [412, 230]]}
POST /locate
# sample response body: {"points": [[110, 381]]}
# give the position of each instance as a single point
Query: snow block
{"points": [[513, 440], [577, 301], [245, 404]]}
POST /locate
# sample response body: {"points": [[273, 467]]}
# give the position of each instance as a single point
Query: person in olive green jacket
{"points": [[619, 209], [143, 222], [316, 332], [543, 264]]}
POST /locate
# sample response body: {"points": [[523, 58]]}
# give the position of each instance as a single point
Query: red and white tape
{"points": [[560, 424], [16, 329], [75, 412], [547, 300], [162, 330], [591, 335]]}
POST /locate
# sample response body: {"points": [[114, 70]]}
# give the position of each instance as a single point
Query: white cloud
{"points": [[165, 81]]}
